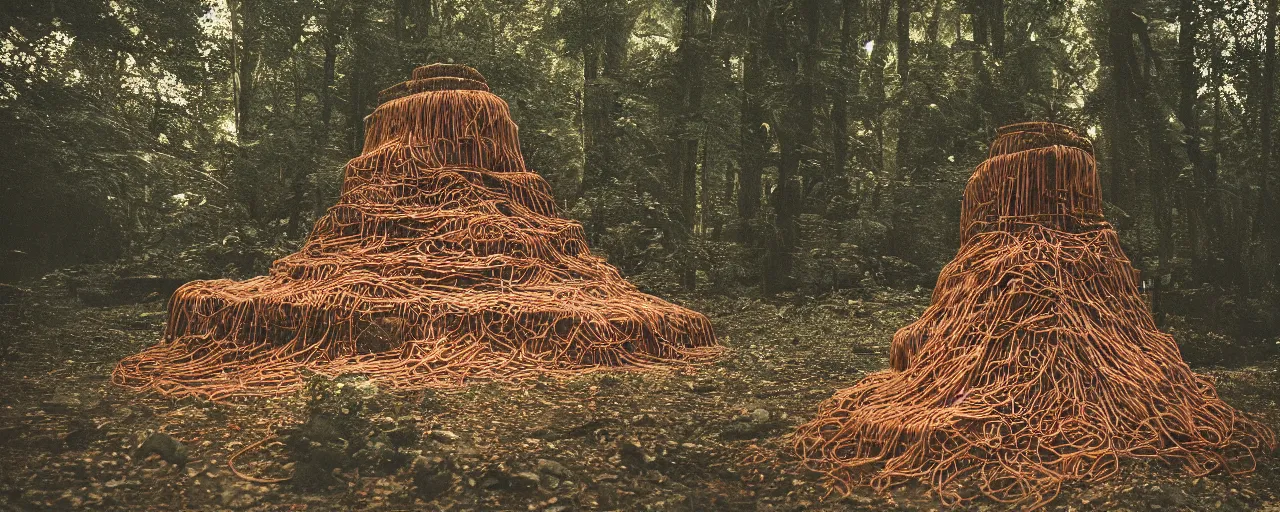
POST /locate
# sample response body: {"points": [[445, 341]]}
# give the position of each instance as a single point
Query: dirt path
{"points": [[714, 440]]}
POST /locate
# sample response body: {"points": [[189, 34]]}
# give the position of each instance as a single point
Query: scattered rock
{"points": [[752, 425], [525, 480], [553, 468], [169, 449], [443, 436], [405, 433], [432, 476], [60, 403], [633, 454], [739, 430], [552, 473], [346, 428]]}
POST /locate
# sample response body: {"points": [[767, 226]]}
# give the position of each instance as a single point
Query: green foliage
{"points": [[210, 134]]}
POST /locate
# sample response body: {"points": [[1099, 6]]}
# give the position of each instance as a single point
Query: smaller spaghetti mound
{"points": [[444, 260], [1037, 362]]}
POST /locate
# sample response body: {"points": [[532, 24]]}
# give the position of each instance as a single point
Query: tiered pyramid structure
{"points": [[1037, 362], [444, 260]]}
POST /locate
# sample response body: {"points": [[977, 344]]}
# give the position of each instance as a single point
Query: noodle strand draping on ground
{"points": [[444, 260], [1037, 362]]}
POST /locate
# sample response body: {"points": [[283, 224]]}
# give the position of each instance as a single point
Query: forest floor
{"points": [[717, 439]]}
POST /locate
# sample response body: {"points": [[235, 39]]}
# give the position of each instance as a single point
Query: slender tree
{"points": [[1196, 200], [846, 85], [1266, 223], [359, 96], [605, 29], [1131, 69], [904, 89], [691, 57], [879, 59], [245, 51], [796, 56], [330, 37], [753, 130]]}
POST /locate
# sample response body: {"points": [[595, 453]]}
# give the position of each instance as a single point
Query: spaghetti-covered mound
{"points": [[1037, 362], [444, 260]]}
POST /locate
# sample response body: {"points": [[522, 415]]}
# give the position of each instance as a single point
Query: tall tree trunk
{"points": [[904, 41], [330, 40], [1267, 219], [297, 35], [691, 61], [233, 12], [245, 38], [358, 79], [847, 74], [988, 37], [935, 24], [1137, 99], [1226, 237], [904, 87], [796, 129], [244, 60], [1117, 122], [1196, 204], [905, 170], [592, 118], [399, 31], [981, 42], [996, 19], [604, 56], [879, 59], [753, 136], [723, 46]]}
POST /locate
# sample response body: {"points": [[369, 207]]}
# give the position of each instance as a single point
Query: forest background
{"points": [[786, 148]]}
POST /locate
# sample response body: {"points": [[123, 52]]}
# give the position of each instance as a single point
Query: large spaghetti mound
{"points": [[444, 260], [1037, 362]]}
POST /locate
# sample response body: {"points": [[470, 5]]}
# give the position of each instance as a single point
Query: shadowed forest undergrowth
{"points": [[715, 439]]}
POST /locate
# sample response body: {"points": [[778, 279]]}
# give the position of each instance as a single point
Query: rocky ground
{"points": [[712, 440]]}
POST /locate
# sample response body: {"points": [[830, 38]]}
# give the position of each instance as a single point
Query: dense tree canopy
{"points": [[780, 145]]}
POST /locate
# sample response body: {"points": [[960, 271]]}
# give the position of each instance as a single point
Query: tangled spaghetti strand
{"points": [[445, 259], [1036, 363]]}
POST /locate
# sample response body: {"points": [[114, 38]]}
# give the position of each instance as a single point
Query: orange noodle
{"points": [[444, 260], [1037, 362]]}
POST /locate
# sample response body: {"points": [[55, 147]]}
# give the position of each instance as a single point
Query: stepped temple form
{"points": [[1037, 362], [445, 260]]}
